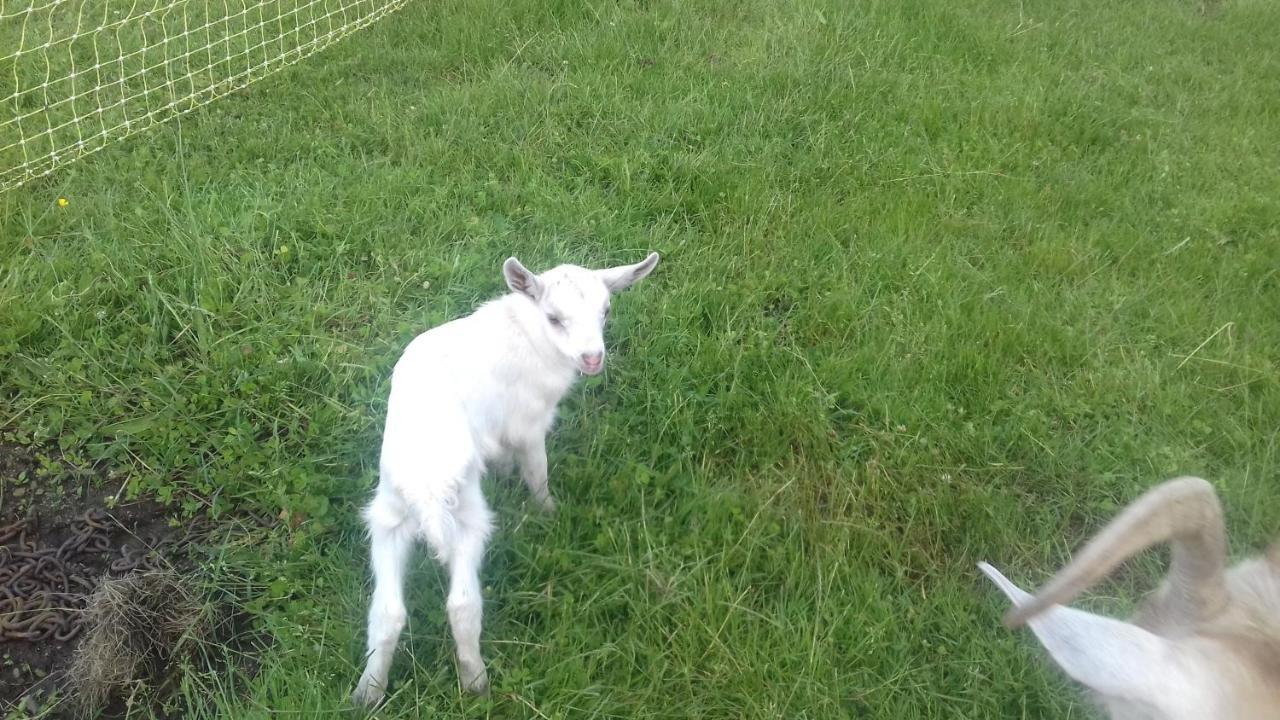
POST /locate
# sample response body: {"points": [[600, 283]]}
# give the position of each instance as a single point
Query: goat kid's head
{"points": [[1156, 669], [574, 302]]}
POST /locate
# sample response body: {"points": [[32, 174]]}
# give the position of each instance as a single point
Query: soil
{"points": [[52, 507]]}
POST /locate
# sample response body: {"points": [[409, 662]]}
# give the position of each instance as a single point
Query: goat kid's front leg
{"points": [[533, 468]]}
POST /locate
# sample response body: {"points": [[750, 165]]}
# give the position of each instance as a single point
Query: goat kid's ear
{"points": [[520, 279], [1113, 658], [624, 276]]}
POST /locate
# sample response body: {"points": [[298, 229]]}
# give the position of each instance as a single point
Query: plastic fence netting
{"points": [[76, 75]]}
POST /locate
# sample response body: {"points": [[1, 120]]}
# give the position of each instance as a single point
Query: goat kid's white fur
{"points": [[1204, 646], [475, 392]]}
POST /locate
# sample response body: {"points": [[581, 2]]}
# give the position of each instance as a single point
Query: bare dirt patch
{"points": [[60, 536]]}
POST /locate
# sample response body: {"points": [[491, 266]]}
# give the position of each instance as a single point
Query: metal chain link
{"points": [[42, 590]]}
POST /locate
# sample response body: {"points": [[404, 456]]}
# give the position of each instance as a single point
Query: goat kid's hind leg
{"points": [[391, 532], [533, 468], [465, 603]]}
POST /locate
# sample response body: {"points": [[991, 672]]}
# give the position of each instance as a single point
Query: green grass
{"points": [[942, 282]]}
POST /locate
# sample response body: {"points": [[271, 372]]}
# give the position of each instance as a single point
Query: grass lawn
{"points": [[942, 282]]}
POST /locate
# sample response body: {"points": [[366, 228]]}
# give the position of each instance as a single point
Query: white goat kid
{"points": [[474, 392], [1205, 645]]}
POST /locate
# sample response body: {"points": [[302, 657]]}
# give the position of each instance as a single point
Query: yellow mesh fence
{"points": [[76, 75]]}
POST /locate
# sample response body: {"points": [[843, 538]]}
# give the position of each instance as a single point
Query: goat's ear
{"points": [[624, 276], [520, 279], [1115, 659]]}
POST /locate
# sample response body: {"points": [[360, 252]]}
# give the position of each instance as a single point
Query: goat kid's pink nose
{"points": [[592, 359]]}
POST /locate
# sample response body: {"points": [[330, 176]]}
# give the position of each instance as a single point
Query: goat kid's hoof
{"points": [[368, 694], [478, 684], [547, 505]]}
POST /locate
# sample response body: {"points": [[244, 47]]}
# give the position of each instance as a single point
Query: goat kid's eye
{"points": [[555, 321]]}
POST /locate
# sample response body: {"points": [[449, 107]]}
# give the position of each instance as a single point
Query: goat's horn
{"points": [[1185, 512]]}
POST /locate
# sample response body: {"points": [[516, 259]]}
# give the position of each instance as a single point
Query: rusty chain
{"points": [[43, 592]]}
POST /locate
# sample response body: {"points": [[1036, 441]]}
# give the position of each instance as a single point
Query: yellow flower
{"points": [[63, 202]]}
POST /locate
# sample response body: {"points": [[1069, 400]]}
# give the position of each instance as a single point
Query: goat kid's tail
{"points": [[431, 517], [439, 526]]}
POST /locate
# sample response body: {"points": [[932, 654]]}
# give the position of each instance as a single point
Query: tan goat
{"points": [[1204, 646]]}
